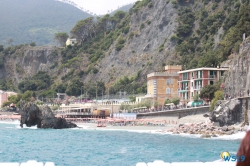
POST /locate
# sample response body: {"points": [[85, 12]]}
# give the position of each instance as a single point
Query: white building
{"points": [[71, 42]]}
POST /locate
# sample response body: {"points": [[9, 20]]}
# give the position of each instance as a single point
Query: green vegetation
{"points": [[197, 47], [130, 85], [27, 96], [43, 19], [219, 95], [61, 37], [39, 81], [208, 92], [175, 100]]}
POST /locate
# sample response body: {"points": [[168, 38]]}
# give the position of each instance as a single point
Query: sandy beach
{"points": [[172, 122]]}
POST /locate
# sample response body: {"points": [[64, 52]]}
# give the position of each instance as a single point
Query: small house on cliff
{"points": [[71, 42]]}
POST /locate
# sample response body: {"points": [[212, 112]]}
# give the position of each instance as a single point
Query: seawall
{"points": [[178, 112]]}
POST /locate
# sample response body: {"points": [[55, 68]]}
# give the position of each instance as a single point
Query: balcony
{"points": [[185, 98], [185, 78], [183, 89], [197, 87], [197, 77], [212, 77]]}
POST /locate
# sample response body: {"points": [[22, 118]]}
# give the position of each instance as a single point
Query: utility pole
{"points": [[81, 94], [102, 96], [108, 93], [96, 93]]}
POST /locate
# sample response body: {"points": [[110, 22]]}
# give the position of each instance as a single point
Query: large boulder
{"points": [[227, 112], [43, 117]]}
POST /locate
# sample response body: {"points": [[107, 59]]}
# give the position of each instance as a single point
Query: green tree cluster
{"points": [[61, 37], [39, 81], [175, 100], [197, 47]]}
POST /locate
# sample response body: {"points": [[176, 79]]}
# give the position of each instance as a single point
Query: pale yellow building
{"points": [[163, 85], [71, 42]]}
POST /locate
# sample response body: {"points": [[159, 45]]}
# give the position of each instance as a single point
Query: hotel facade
{"points": [[163, 85], [192, 81]]}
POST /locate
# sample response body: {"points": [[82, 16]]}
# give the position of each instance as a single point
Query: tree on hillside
{"points": [[218, 95], [74, 87], [10, 41], [208, 91], [84, 29], [1, 48], [61, 37]]}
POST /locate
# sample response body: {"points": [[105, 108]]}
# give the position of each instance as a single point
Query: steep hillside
{"points": [[117, 52], [36, 20], [237, 81], [124, 8]]}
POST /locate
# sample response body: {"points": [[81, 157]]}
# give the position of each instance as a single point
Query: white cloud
{"points": [[101, 6]]}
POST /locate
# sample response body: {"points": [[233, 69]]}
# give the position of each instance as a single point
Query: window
{"points": [[169, 81], [168, 91]]}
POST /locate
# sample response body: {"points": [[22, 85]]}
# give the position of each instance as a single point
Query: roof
{"points": [[203, 68]]}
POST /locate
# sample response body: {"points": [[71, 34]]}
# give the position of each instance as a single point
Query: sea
{"points": [[90, 147]]}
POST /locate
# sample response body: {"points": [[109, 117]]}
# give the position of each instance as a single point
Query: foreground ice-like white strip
{"points": [[28, 163], [162, 163]]}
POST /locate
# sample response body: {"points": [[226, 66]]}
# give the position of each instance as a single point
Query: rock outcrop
{"points": [[43, 117], [206, 129], [227, 112], [237, 81]]}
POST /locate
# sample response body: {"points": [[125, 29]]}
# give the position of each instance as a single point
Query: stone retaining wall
{"points": [[179, 113]]}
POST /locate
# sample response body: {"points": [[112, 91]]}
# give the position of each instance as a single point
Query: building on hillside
{"points": [[163, 85], [140, 98], [71, 42], [192, 81], [4, 96]]}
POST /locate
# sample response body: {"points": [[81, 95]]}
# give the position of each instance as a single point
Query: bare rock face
{"points": [[43, 117], [227, 113]]}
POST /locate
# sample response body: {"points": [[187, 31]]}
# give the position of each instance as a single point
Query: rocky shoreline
{"points": [[206, 129]]}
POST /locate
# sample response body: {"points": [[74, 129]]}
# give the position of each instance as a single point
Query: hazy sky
{"points": [[101, 6]]}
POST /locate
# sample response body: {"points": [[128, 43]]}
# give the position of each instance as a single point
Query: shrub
{"points": [[118, 47], [150, 5], [142, 26], [219, 95]]}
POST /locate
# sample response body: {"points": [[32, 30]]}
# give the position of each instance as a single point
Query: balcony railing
{"points": [[183, 89], [197, 87], [197, 77], [185, 78], [211, 76]]}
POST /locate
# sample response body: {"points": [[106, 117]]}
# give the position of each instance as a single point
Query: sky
{"points": [[101, 7]]}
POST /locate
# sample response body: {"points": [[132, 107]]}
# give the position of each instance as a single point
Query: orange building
{"points": [[163, 85]]}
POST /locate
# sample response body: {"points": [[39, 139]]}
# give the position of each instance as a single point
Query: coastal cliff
{"points": [[237, 84], [151, 35], [237, 80]]}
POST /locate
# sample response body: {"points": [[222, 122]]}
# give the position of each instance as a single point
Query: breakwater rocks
{"points": [[206, 129], [227, 112], [43, 117]]}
